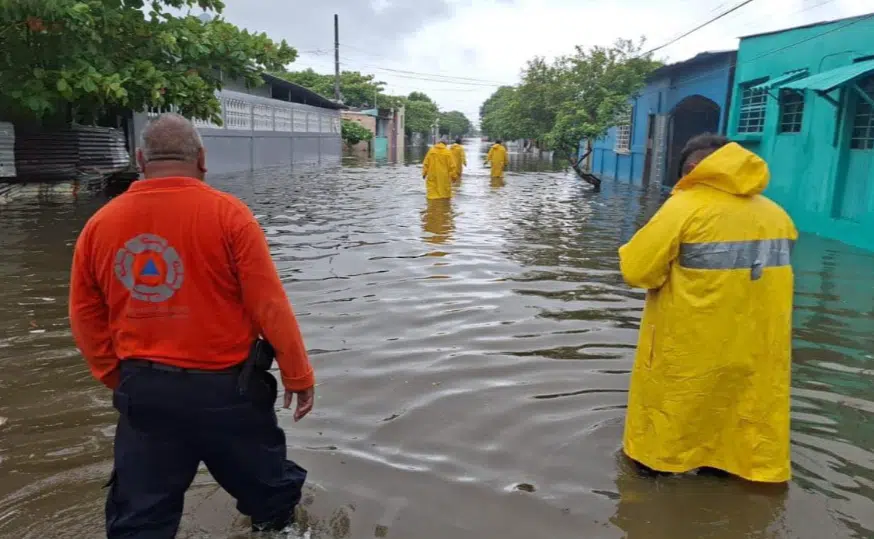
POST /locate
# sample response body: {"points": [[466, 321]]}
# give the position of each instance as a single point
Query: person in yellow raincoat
{"points": [[460, 158], [438, 170], [710, 383], [497, 156]]}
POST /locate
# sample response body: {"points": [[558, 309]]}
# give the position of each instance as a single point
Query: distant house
{"points": [[387, 126], [805, 103], [679, 101]]}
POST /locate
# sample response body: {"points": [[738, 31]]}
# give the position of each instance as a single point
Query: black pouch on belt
{"points": [[255, 380]]}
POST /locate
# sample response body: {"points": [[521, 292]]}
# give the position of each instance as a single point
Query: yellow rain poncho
{"points": [[460, 159], [438, 169], [710, 384], [497, 156]]}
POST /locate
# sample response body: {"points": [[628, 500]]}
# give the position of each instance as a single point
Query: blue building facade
{"points": [[805, 103], [679, 101]]}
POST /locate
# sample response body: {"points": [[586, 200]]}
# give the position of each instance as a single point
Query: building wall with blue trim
{"points": [[825, 184], [660, 97]]}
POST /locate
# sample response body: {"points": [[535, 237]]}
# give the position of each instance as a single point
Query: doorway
{"points": [[694, 115]]}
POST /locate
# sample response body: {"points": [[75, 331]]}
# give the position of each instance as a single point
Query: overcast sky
{"points": [[460, 51]]}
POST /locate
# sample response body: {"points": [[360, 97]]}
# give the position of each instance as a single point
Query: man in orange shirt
{"points": [[172, 283]]}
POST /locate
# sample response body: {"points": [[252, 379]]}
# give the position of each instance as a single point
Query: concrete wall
{"points": [[261, 132], [827, 187], [660, 98]]}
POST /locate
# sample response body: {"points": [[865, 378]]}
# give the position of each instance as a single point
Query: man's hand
{"points": [[305, 401]]}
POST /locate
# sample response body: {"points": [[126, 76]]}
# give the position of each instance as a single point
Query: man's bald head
{"points": [[171, 146]]}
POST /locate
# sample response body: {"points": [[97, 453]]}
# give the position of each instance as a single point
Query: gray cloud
{"points": [[376, 27]]}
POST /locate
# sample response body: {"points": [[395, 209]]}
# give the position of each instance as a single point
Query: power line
{"points": [[700, 26], [475, 88], [448, 78], [468, 81], [429, 77], [429, 74]]}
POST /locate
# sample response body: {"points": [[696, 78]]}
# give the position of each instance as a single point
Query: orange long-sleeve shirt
{"points": [[179, 273]]}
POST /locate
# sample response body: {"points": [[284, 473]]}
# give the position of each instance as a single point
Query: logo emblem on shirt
{"points": [[150, 268]]}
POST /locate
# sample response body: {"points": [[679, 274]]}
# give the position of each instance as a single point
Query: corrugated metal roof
{"points": [[300, 94], [781, 80], [7, 150], [831, 79]]}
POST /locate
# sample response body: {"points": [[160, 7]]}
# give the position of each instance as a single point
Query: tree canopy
{"points": [[454, 123], [104, 55], [360, 90], [500, 117], [573, 98], [421, 116], [353, 132]]}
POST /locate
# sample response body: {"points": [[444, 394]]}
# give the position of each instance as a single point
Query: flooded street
{"points": [[473, 360]]}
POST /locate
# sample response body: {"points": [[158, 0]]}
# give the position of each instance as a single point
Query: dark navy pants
{"points": [[169, 423]]}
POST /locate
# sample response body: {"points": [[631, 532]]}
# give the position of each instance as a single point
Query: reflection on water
{"points": [[473, 360], [437, 219], [698, 507]]}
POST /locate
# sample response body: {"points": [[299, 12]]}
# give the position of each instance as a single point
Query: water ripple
{"points": [[473, 362]]}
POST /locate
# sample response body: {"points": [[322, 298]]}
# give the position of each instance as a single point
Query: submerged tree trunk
{"points": [[588, 177]]}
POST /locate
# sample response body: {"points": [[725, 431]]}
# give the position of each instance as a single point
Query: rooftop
{"points": [[299, 94], [812, 25], [706, 57]]}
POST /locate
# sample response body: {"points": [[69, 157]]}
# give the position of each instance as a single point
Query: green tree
{"points": [[420, 96], [105, 55], [421, 113], [595, 87], [500, 115], [574, 98], [353, 133], [454, 123], [358, 90]]}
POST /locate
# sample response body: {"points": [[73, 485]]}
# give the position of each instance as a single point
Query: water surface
{"points": [[473, 360]]}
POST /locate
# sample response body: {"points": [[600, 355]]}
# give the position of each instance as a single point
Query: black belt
{"points": [[147, 364]]}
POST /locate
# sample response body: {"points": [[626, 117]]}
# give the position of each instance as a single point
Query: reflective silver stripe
{"points": [[754, 255]]}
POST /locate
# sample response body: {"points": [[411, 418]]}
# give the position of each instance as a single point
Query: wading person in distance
{"points": [[497, 157], [710, 384], [172, 282], [438, 170], [460, 158]]}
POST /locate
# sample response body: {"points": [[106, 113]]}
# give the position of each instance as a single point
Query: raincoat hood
{"points": [[732, 169], [440, 145]]}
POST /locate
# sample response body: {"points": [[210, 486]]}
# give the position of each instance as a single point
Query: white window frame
{"points": [[623, 136]]}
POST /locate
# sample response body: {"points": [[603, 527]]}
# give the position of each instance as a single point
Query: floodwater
{"points": [[473, 362]]}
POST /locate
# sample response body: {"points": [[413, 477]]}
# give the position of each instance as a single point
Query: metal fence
{"points": [[69, 153], [261, 132]]}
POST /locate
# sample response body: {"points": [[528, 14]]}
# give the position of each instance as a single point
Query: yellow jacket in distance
{"points": [[711, 378], [497, 156], [438, 169], [460, 158]]}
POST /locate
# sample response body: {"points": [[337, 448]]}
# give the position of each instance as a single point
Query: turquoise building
{"points": [[803, 99]]}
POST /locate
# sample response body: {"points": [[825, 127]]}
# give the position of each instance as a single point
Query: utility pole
{"points": [[336, 57]]}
